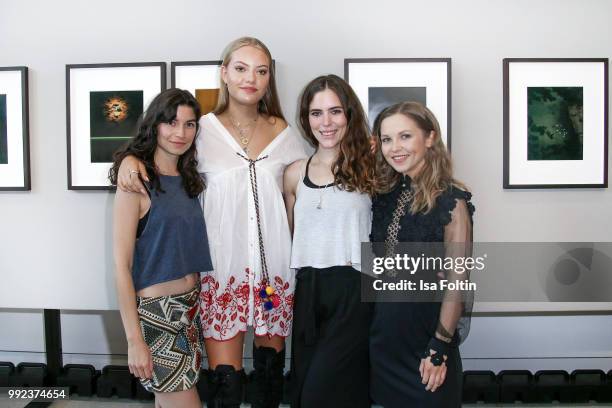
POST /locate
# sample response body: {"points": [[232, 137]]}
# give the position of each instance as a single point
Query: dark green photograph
{"points": [[554, 123], [113, 121], [3, 135]]}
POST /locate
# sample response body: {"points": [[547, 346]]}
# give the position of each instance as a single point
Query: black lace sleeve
{"points": [[448, 201], [456, 217]]}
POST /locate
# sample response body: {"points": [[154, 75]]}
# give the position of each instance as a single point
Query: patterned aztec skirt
{"points": [[171, 328]]}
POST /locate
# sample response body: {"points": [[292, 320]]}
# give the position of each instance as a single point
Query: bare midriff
{"points": [[173, 287]]}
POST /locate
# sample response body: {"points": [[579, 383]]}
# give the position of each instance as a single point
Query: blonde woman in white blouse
{"points": [[243, 151]]}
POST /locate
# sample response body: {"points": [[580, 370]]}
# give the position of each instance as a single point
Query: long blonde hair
{"points": [[269, 104], [436, 175]]}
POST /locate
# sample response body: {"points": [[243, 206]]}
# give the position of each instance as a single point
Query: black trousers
{"points": [[329, 349]]}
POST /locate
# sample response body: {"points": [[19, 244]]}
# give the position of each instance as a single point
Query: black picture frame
{"points": [[443, 98], [98, 78], [523, 80], [23, 182], [200, 78], [175, 65]]}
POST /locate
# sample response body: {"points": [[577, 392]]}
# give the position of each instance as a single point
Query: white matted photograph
{"points": [[555, 123], [104, 103], [379, 83], [14, 129], [201, 78]]}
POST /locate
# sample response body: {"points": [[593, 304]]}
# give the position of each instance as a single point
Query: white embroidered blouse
{"points": [[229, 297]]}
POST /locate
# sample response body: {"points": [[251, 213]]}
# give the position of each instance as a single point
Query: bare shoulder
{"points": [[295, 168], [127, 201], [126, 196], [292, 174], [276, 124]]}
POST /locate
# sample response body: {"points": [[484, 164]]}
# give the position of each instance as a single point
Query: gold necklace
{"points": [[243, 137]]}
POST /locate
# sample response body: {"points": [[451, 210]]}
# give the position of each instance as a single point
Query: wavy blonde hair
{"points": [[436, 175], [269, 104]]}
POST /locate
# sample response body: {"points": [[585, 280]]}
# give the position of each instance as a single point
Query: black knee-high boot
{"points": [[266, 381], [225, 387]]}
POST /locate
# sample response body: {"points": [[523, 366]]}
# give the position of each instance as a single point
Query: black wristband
{"points": [[440, 349]]}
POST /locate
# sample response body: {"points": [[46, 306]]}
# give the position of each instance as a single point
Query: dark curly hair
{"points": [[354, 167], [162, 110]]}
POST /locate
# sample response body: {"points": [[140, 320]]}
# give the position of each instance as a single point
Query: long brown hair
{"points": [[354, 167], [162, 110], [436, 175], [269, 104]]}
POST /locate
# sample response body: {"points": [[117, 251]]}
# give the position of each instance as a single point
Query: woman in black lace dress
{"points": [[413, 345]]}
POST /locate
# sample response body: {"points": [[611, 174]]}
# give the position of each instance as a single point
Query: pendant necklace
{"points": [[320, 203], [245, 132], [322, 190]]}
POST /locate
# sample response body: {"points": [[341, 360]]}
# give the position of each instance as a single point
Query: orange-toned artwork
{"points": [[113, 118], [207, 98]]}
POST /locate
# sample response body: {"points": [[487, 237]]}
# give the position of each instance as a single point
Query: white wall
{"points": [[55, 244]]}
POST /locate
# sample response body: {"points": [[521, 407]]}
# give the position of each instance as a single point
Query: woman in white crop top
{"points": [[329, 209], [244, 148]]}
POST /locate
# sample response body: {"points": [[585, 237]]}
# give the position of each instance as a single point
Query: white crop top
{"points": [[329, 225]]}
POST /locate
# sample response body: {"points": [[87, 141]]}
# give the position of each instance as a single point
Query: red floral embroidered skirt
{"points": [[227, 311]]}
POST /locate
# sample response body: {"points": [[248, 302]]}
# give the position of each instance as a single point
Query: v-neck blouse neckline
{"points": [[232, 141]]}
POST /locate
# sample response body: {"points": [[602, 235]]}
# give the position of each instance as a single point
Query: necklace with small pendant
{"points": [[245, 132], [320, 203], [322, 190]]}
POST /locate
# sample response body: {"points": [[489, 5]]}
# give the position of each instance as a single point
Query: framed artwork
{"points": [[555, 123], [382, 82], [201, 78], [14, 130], [104, 103]]}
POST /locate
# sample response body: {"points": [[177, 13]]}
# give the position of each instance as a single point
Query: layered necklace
{"points": [[245, 131]]}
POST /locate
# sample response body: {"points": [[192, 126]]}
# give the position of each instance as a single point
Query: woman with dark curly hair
{"points": [[328, 205], [160, 245], [414, 356]]}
